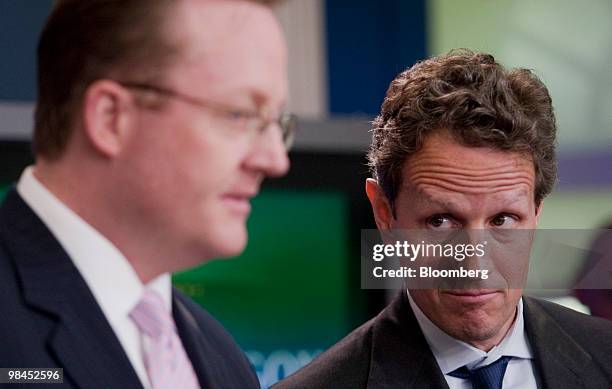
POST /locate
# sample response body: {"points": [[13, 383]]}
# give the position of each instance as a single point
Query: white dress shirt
{"points": [[451, 353], [110, 277]]}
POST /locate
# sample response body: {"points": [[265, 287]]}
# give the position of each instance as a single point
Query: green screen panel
{"points": [[286, 297], [290, 283]]}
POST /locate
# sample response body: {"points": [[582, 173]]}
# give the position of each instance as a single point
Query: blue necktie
{"points": [[486, 377]]}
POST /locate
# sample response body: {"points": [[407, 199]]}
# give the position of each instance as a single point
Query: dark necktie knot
{"points": [[486, 377]]}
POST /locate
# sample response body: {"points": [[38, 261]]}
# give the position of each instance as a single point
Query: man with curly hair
{"points": [[462, 144]]}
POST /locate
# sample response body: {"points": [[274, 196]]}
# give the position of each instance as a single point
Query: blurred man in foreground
{"points": [[461, 143], [156, 122]]}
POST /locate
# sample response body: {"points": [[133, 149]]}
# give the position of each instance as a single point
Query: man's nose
{"points": [[269, 154]]}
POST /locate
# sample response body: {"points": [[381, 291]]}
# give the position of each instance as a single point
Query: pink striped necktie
{"points": [[165, 359]]}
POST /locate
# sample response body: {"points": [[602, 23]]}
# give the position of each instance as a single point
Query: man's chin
{"points": [[477, 326], [230, 242], [478, 331]]}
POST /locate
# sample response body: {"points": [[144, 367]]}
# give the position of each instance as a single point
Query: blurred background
{"points": [[295, 291]]}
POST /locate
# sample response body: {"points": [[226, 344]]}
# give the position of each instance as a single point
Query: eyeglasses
{"points": [[252, 122]]}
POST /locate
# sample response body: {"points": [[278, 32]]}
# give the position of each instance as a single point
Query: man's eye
{"points": [[440, 221], [503, 220], [244, 120], [237, 115]]}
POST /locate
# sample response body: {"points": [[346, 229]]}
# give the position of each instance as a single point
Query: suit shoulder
{"points": [[344, 365], [575, 322], [592, 334]]}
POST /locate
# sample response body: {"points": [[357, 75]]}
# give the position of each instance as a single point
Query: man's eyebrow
{"points": [[254, 93], [256, 99], [515, 197], [505, 199]]}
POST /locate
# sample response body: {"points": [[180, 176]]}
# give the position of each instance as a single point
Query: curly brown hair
{"points": [[478, 102]]}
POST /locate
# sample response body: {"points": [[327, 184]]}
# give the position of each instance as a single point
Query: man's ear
{"points": [[383, 214], [106, 111], [539, 211]]}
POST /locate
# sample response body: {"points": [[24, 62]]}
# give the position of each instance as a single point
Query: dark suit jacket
{"points": [[571, 351], [49, 318]]}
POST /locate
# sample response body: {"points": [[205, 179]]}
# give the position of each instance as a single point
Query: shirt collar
{"points": [[109, 275], [451, 353]]}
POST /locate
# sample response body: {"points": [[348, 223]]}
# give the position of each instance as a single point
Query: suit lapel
{"points": [[193, 343], [216, 362], [560, 362], [401, 357], [79, 336]]}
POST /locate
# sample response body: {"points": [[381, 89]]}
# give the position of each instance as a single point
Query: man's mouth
{"points": [[239, 202], [471, 295]]}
